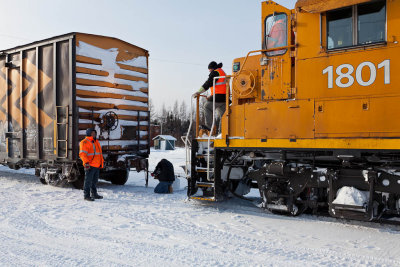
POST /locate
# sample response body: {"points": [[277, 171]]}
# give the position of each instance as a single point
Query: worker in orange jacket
{"points": [[92, 158], [220, 95]]}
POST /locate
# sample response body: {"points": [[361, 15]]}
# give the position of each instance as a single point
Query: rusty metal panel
{"points": [[33, 79], [112, 85], [43, 115]]}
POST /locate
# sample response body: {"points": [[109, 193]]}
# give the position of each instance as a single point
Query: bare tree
{"points": [[183, 111], [175, 109], [153, 112]]}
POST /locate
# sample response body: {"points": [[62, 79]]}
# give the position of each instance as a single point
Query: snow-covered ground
{"points": [[47, 226]]}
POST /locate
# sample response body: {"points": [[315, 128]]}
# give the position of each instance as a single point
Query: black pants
{"points": [[91, 178]]}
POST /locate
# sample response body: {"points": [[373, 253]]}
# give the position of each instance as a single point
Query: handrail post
{"points": [[197, 115], [227, 110]]}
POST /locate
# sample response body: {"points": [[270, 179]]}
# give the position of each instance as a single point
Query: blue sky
{"points": [[181, 36]]}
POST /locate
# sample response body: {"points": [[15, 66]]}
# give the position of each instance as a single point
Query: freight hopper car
{"points": [[314, 119], [51, 91]]}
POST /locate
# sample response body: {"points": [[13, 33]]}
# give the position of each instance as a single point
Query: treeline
{"points": [[173, 120]]}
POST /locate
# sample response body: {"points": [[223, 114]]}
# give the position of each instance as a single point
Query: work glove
{"points": [[86, 166], [201, 90]]}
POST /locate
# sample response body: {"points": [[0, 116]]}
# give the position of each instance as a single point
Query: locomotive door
{"points": [[276, 61]]}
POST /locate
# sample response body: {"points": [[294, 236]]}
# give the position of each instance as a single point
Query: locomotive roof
{"points": [[317, 6]]}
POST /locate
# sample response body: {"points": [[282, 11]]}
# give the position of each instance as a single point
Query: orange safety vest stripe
{"points": [[220, 84], [90, 152]]}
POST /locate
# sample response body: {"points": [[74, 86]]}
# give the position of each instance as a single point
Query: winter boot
{"points": [[97, 196], [170, 189], [87, 198]]}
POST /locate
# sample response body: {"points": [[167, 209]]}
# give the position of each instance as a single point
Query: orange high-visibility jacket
{"points": [[90, 152], [220, 84]]}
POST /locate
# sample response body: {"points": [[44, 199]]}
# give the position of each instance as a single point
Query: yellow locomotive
{"points": [[314, 114]]}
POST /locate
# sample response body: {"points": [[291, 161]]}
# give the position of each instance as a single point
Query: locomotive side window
{"points": [[371, 22], [356, 25], [340, 28], [276, 33]]}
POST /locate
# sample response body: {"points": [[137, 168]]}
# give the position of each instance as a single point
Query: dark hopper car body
{"points": [[51, 91]]}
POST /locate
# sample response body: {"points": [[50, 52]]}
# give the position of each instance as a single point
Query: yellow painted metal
{"points": [[315, 6], [203, 198], [293, 104], [329, 143]]}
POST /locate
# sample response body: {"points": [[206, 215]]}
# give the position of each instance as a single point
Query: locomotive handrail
{"points": [[186, 138], [261, 50]]}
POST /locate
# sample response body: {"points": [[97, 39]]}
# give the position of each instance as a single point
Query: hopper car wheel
{"points": [[244, 84], [78, 184], [120, 177]]}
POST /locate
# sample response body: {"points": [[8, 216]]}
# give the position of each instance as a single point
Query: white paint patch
{"points": [[120, 71], [108, 59], [101, 89], [140, 62], [116, 102], [117, 111]]}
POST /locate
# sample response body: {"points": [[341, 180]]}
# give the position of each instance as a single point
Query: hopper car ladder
{"points": [[62, 121]]}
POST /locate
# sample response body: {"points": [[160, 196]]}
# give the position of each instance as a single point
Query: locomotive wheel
{"points": [[119, 177]]}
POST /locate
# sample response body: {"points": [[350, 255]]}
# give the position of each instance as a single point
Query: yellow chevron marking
{"points": [[3, 92], [44, 80], [15, 108], [29, 99]]}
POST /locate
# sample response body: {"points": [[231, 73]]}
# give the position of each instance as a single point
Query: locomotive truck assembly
{"points": [[51, 91], [314, 114]]}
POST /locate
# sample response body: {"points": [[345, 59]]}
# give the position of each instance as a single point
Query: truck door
{"points": [[276, 60]]}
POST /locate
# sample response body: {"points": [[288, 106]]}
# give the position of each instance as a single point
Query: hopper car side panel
{"points": [[51, 91], [38, 80]]}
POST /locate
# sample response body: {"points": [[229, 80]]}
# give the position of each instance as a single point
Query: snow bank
{"points": [[49, 226], [351, 196]]}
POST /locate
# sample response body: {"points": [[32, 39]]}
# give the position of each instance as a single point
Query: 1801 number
{"points": [[345, 74]]}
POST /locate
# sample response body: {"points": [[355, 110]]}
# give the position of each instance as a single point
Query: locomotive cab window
{"points": [[361, 24], [276, 33]]}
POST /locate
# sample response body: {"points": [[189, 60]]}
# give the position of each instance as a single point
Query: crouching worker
{"points": [[164, 172], [92, 158]]}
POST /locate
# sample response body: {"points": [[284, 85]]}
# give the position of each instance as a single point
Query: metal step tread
{"points": [[204, 198], [198, 155], [204, 184], [203, 169], [205, 139]]}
